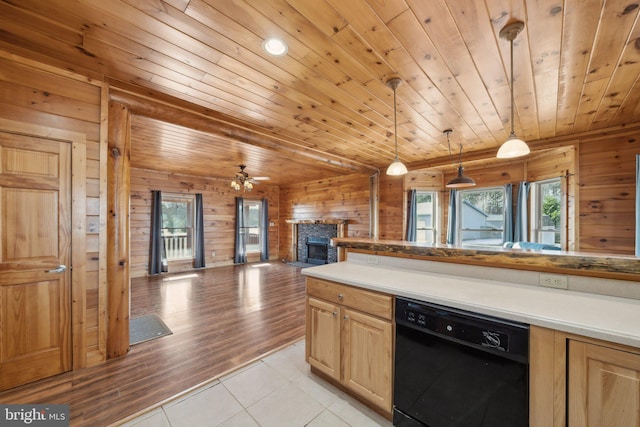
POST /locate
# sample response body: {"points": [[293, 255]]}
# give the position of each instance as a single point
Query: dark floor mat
{"points": [[145, 328]]}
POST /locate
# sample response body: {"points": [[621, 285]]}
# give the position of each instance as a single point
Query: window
{"points": [[177, 226], [426, 220], [547, 212], [251, 209], [481, 216]]}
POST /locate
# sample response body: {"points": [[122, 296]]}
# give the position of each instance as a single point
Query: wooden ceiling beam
{"points": [[157, 106]]}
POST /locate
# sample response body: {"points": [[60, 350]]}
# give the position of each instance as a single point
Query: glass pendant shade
{"points": [[461, 181], [397, 168], [513, 147]]}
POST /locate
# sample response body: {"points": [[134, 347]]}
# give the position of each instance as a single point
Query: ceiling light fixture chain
{"points": [[396, 168], [513, 146]]}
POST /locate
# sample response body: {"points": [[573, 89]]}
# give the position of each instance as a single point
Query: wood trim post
{"points": [[118, 189]]}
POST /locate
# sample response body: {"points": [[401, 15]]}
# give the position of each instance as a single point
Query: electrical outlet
{"points": [[213, 253], [558, 281], [372, 259]]}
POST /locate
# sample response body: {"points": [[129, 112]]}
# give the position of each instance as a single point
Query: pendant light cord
{"points": [[512, 100], [395, 121]]}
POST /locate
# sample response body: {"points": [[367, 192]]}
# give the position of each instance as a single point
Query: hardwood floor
{"points": [[221, 318]]}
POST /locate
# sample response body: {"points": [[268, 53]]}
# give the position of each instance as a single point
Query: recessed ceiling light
{"points": [[274, 46]]}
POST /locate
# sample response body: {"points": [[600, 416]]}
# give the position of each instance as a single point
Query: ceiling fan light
{"points": [[513, 147], [461, 181], [397, 168]]}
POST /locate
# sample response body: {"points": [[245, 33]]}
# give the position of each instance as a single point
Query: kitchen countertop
{"points": [[603, 317]]}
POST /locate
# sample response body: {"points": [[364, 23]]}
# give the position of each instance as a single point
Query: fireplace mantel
{"points": [[317, 221], [341, 232]]}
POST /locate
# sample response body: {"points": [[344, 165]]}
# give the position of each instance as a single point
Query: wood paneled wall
{"points": [[219, 216], [598, 172], [39, 95], [547, 165], [345, 197], [606, 193], [392, 211]]}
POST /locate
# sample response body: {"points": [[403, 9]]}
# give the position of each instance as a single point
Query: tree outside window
{"points": [[547, 212]]}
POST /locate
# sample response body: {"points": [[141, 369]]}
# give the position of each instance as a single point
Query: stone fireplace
{"points": [[310, 240]]}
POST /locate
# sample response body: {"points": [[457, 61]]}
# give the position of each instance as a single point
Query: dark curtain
{"points": [[452, 222], [507, 226], [412, 217], [157, 258], [521, 229], [199, 257], [264, 231], [240, 256]]}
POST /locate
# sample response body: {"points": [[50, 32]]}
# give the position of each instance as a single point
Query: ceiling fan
{"points": [[242, 180]]}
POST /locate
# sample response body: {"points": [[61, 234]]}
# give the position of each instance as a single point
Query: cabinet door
{"points": [[604, 386], [323, 337], [368, 359]]}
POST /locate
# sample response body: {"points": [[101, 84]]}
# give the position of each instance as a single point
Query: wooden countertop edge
{"points": [[580, 264]]}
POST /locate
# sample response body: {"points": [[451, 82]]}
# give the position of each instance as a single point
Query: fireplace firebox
{"points": [[317, 250]]}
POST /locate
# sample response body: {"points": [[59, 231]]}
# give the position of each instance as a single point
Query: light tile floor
{"points": [[278, 390]]}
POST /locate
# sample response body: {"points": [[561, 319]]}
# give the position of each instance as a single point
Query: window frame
{"points": [[434, 214], [536, 214], [460, 217], [190, 200], [252, 248]]}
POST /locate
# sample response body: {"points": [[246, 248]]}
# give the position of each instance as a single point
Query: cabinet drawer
{"points": [[371, 302]]}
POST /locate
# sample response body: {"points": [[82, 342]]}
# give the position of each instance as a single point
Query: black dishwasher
{"points": [[457, 368]]}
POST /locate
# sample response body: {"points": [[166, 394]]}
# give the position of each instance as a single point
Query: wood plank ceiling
{"points": [[324, 109]]}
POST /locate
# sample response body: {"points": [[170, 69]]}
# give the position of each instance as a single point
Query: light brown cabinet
{"points": [[604, 386], [577, 381], [350, 339]]}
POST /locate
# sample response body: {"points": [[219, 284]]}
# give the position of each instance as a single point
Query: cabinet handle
{"points": [[340, 296], [346, 317], [334, 314]]}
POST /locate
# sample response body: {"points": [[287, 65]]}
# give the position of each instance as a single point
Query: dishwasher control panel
{"points": [[468, 328]]}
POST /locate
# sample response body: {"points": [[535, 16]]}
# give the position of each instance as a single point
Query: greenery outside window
{"points": [[481, 216], [251, 209], [177, 225], [547, 213], [426, 219]]}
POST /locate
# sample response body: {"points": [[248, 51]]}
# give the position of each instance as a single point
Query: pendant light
{"points": [[460, 181], [396, 168], [513, 146]]}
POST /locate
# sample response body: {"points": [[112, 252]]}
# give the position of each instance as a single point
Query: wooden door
{"points": [[323, 337], [368, 359], [604, 386], [35, 230]]}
